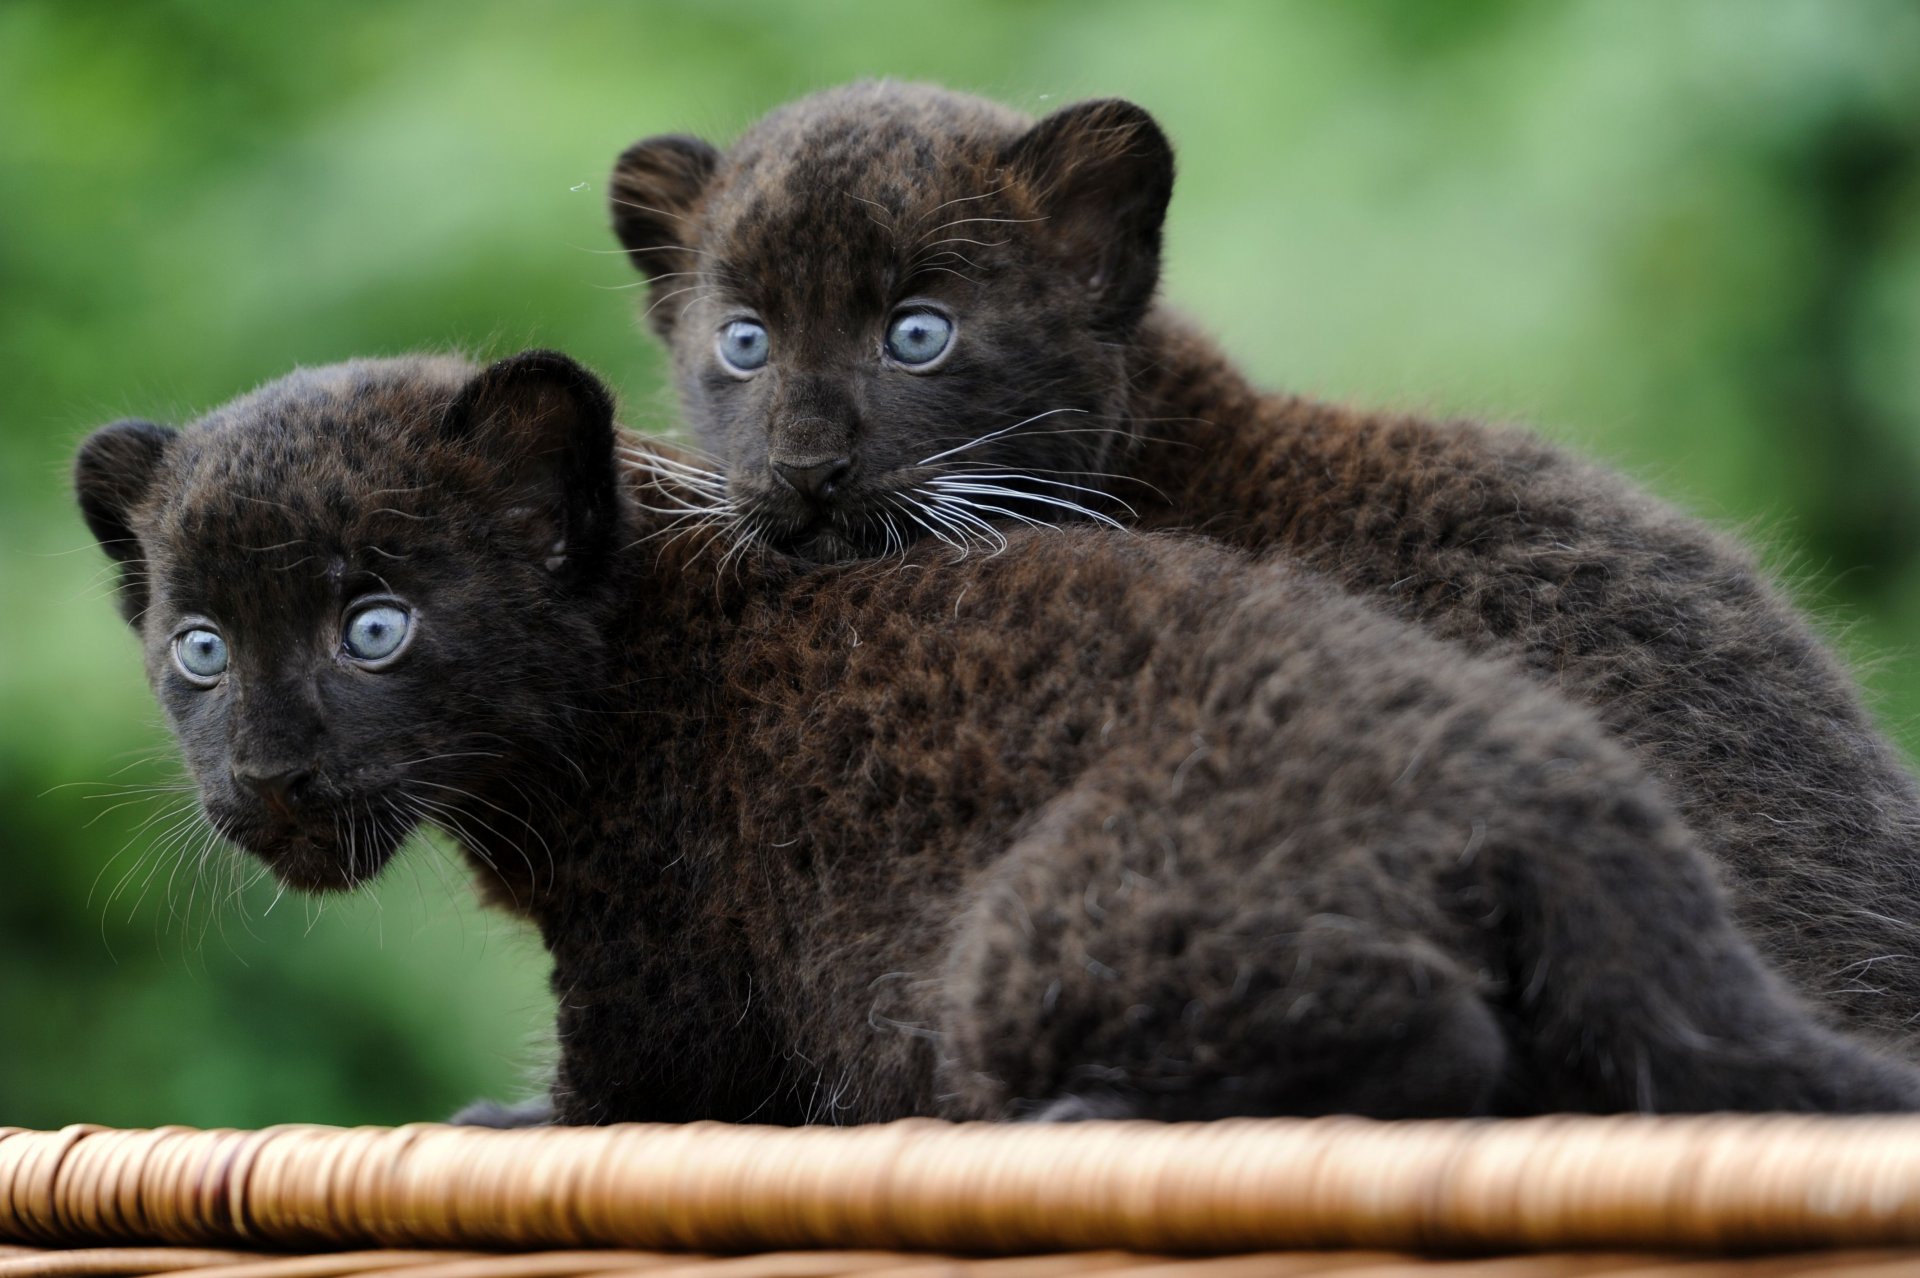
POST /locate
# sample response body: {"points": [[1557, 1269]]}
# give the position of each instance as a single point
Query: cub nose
{"points": [[281, 789], [815, 477]]}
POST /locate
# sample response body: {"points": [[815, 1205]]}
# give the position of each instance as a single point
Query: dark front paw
{"points": [[488, 1113], [1091, 1107]]}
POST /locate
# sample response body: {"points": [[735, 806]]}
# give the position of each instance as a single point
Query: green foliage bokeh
{"points": [[1684, 237]]}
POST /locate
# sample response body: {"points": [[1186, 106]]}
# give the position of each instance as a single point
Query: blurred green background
{"points": [[1683, 236]]}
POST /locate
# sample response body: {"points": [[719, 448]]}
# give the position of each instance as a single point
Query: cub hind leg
{"points": [[1523, 926], [1115, 965]]}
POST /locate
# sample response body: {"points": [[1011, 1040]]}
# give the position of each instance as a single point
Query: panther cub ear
{"points": [[111, 475], [1101, 174], [546, 424], [656, 189]]}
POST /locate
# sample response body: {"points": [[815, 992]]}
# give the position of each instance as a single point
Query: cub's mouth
{"points": [[823, 543], [850, 531], [322, 853]]}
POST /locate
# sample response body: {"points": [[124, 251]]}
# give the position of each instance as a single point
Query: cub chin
{"points": [[1102, 825], [899, 313]]}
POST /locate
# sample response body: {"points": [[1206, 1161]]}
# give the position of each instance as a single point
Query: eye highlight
{"points": [[918, 338], [376, 633], [743, 346], [201, 655]]}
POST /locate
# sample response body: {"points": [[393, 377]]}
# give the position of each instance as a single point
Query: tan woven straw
{"points": [[1266, 1197]]}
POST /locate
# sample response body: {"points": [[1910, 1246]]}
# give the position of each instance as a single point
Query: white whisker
{"points": [[990, 435], [949, 486], [1016, 477]]}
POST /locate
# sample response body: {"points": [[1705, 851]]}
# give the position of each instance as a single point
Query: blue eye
{"points": [[744, 346], [919, 337], [200, 654], [376, 633]]}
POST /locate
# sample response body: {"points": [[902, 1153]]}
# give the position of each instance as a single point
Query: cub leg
{"points": [[1504, 937], [1114, 966]]}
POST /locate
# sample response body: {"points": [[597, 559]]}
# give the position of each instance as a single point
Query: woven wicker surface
{"points": [[1278, 1197], [192, 1263]]}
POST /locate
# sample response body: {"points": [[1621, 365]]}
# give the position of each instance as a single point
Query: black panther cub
{"points": [[899, 312], [1104, 824]]}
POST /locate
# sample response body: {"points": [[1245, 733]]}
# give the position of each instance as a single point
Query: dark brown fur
{"points": [[834, 211], [1106, 823]]}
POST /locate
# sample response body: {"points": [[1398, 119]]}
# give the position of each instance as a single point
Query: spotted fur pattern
{"points": [[1106, 823]]}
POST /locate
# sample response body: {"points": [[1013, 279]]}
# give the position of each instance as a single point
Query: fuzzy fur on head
{"points": [[838, 214], [473, 500]]}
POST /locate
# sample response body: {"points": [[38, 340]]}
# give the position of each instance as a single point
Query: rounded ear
{"points": [[1102, 173], [656, 188], [546, 424], [111, 475]]}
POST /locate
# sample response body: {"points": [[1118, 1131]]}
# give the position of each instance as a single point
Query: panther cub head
{"points": [[365, 595], [896, 311]]}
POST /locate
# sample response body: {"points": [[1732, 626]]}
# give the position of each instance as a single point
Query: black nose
{"points": [[280, 789], [815, 478]]}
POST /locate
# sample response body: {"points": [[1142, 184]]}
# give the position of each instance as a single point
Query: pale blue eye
{"points": [[744, 345], [919, 337], [201, 653], [376, 632]]}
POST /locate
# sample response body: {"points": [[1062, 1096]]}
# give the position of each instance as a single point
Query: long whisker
{"points": [[664, 298], [995, 434], [955, 510], [512, 816], [967, 467], [669, 464], [950, 486], [972, 476], [910, 511], [963, 221], [460, 754]]}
